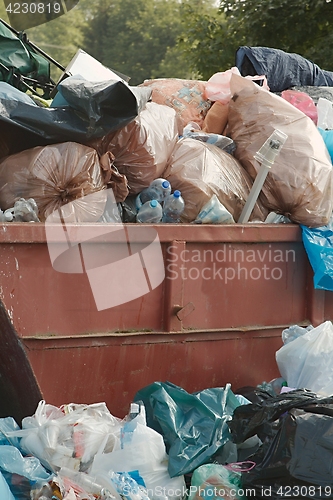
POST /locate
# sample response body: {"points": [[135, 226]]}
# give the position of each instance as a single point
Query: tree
{"points": [[205, 38], [137, 38], [60, 38]]}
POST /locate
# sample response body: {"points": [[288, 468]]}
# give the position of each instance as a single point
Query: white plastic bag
{"points": [[69, 436], [307, 361], [142, 449]]}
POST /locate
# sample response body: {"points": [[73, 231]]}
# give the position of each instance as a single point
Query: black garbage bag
{"points": [[194, 426], [298, 462], [282, 69], [95, 109], [249, 420]]}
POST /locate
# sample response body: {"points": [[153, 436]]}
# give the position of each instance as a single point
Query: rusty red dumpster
{"points": [[215, 318]]}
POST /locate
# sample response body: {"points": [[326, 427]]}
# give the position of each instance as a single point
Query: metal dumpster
{"points": [[216, 317]]}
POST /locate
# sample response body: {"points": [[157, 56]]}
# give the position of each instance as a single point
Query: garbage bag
{"points": [[95, 110], [194, 426], [141, 449], [69, 436], [297, 462], [303, 102], [306, 362], [186, 97], [53, 176], [213, 481], [200, 170], [251, 419], [300, 183], [282, 69], [318, 243], [21, 473], [143, 147]]}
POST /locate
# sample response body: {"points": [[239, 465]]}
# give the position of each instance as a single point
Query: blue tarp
{"points": [[282, 69]]}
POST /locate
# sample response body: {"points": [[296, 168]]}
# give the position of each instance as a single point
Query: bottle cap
{"points": [[165, 184], [153, 203], [177, 193]]}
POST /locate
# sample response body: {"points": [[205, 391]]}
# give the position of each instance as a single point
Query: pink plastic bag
{"points": [[303, 102], [218, 86]]}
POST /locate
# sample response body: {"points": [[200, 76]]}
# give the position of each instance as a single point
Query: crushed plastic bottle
{"points": [[151, 211], [158, 190], [173, 207]]}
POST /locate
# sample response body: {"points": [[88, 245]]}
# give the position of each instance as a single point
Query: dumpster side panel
{"points": [[202, 326], [112, 369]]}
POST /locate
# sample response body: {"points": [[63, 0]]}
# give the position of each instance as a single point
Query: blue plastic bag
{"points": [[5, 493], [318, 243], [327, 135]]}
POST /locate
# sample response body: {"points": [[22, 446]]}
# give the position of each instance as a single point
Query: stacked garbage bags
{"points": [[200, 136], [273, 440]]}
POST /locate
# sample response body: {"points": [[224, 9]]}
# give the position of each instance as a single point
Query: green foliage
{"points": [[60, 38], [136, 38], [205, 39]]}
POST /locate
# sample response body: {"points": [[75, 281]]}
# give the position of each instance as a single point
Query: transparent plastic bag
{"points": [[142, 148], [300, 183], [201, 170], [53, 176]]}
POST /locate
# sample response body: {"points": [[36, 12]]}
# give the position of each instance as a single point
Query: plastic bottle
{"points": [[173, 207], [151, 211], [158, 190]]}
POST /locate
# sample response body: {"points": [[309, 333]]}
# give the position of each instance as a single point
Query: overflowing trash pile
{"points": [[203, 138], [273, 440]]}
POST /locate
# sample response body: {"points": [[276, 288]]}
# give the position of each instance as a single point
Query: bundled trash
{"points": [[82, 452], [54, 176]]}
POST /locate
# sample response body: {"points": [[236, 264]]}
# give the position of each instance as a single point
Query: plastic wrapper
{"points": [[54, 176], [142, 148], [215, 482], [186, 97], [306, 362], [200, 170], [194, 426], [300, 183], [141, 449], [213, 212], [193, 131]]}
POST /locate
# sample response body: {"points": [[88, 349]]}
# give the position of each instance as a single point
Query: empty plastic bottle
{"points": [[173, 207], [158, 190], [151, 211]]}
